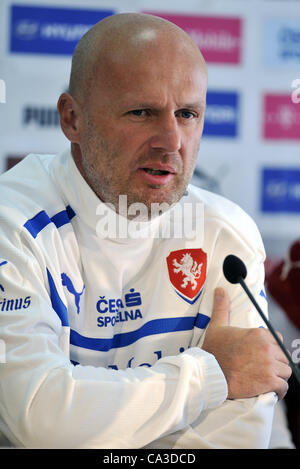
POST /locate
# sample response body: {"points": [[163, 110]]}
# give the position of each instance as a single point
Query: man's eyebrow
{"points": [[200, 105], [196, 105]]}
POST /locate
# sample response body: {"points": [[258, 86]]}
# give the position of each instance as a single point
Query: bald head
{"points": [[119, 38]]}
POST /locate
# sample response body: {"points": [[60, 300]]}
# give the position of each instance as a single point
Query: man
{"points": [[107, 344]]}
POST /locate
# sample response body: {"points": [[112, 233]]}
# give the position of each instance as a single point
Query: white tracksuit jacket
{"points": [[101, 337]]}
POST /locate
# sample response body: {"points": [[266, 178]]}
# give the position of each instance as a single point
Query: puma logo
{"points": [[67, 282]]}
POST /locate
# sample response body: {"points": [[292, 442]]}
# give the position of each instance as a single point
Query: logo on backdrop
{"points": [[280, 190], [282, 42], [219, 38], [187, 272], [48, 30], [40, 116], [222, 114], [281, 117]]}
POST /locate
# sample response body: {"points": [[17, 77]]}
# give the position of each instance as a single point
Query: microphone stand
{"points": [[294, 367]]}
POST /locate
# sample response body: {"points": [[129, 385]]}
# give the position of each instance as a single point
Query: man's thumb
{"points": [[221, 307]]}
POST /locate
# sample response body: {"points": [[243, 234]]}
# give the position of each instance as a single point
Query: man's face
{"points": [[142, 127]]}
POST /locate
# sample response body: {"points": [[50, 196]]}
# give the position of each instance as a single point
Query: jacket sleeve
{"points": [[46, 402], [240, 423]]}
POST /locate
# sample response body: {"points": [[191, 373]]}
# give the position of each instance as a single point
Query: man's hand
{"points": [[251, 359]]}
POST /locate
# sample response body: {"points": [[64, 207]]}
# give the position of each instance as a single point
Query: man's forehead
{"points": [[135, 69], [133, 88]]}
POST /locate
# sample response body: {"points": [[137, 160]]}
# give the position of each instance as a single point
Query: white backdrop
{"points": [[250, 149]]}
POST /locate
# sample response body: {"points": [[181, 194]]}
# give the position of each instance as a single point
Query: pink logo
{"points": [[218, 38], [281, 117]]}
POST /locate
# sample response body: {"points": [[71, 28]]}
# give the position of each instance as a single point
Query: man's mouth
{"points": [[157, 175], [156, 172]]}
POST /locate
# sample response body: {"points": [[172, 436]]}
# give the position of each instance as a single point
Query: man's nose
{"points": [[167, 135]]}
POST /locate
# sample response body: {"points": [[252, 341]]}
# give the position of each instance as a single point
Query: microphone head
{"points": [[234, 269]]}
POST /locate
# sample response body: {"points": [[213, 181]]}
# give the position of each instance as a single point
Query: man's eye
{"points": [[187, 114], [138, 112]]}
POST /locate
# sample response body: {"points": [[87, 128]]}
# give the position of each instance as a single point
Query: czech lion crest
{"points": [[187, 272]]}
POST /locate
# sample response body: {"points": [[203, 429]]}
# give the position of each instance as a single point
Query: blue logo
{"points": [[281, 42], [221, 115], [119, 310], [12, 304], [280, 190], [67, 282], [48, 30]]}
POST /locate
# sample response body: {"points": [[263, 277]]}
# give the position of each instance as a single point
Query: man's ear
{"points": [[69, 117]]}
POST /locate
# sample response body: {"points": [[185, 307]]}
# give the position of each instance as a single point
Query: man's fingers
{"points": [[221, 306], [282, 388], [278, 353], [284, 371]]}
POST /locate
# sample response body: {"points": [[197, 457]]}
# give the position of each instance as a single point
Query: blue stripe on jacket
{"points": [[36, 224], [157, 326]]}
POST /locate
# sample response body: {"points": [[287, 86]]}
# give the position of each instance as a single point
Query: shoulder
{"points": [[27, 188], [27, 170], [227, 217]]}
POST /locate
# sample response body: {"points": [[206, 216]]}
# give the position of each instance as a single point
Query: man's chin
{"points": [[152, 204]]}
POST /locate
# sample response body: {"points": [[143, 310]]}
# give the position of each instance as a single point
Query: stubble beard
{"points": [[109, 189]]}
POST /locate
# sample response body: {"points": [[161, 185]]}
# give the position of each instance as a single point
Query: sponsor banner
{"points": [[282, 42], [40, 116], [281, 117], [280, 190], [219, 38], [48, 30], [222, 114]]}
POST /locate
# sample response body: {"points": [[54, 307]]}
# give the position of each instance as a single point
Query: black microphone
{"points": [[235, 271]]}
